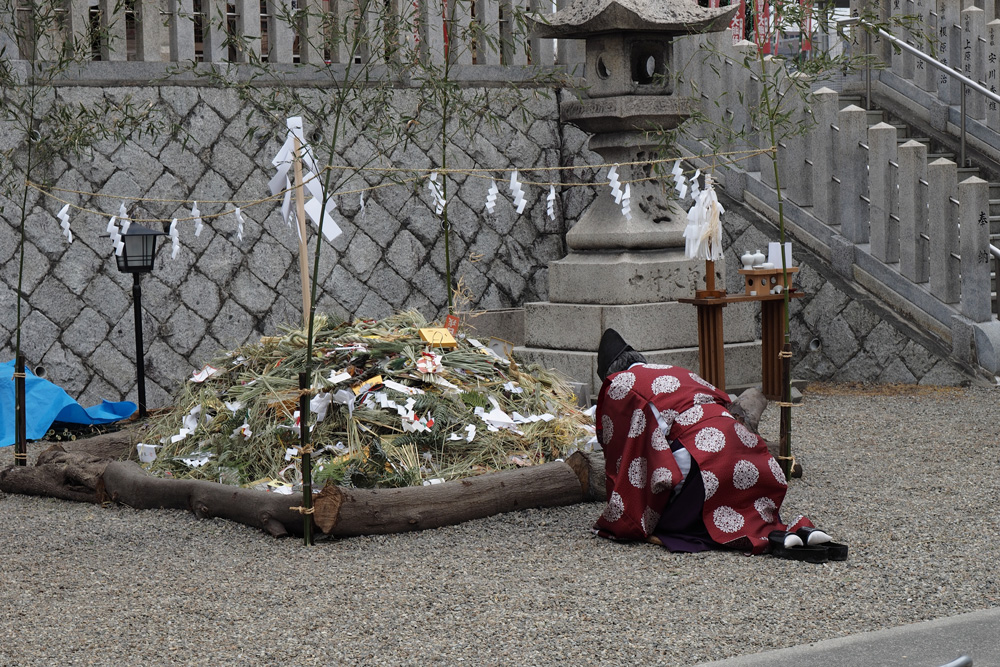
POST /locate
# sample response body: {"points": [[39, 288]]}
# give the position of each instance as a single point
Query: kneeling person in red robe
{"points": [[680, 468]]}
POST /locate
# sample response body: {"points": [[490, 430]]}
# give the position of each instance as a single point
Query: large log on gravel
{"points": [[57, 474], [348, 512], [82, 476]]}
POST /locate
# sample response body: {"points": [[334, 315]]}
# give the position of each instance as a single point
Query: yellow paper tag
{"points": [[438, 336]]}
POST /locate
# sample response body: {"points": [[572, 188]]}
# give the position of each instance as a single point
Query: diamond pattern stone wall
{"points": [[221, 291]]}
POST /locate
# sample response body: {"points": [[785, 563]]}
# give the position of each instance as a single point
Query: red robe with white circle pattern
{"points": [[744, 484]]}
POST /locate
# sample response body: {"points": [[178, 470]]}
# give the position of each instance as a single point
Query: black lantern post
{"points": [[137, 258]]}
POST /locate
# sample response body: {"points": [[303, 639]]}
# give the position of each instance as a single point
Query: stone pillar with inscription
{"points": [[620, 272]]}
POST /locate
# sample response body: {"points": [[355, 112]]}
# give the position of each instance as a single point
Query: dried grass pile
{"points": [[387, 410]]}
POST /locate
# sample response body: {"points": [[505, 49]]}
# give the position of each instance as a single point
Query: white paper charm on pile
{"points": [[63, 216], [147, 453], [491, 196], [551, 203], [517, 192], [703, 234]]}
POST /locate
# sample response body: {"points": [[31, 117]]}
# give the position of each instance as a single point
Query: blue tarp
{"points": [[47, 403]]}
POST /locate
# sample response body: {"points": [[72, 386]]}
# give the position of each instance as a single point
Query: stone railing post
{"points": [[820, 144], [974, 211], [514, 51], [793, 167], [925, 75], [542, 50], [7, 42], [942, 221], [950, 45], [912, 179], [147, 30], [736, 80], [312, 45], [852, 157], [973, 58], [280, 33], [902, 62], [114, 46], [248, 25], [882, 178], [213, 31], [77, 24], [488, 14], [181, 25], [991, 77], [433, 31], [772, 69]]}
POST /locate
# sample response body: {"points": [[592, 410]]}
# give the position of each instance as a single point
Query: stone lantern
{"points": [[621, 273]]}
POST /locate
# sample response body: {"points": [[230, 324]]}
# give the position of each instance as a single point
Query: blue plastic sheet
{"points": [[47, 403]]}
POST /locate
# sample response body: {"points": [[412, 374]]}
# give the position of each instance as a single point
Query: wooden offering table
{"points": [[711, 352]]}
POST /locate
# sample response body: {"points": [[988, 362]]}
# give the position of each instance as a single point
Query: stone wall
{"points": [[222, 291]]}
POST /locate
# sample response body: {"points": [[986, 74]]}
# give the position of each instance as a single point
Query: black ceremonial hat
{"points": [[612, 346]]}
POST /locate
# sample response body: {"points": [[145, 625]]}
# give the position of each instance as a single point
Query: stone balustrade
{"points": [[910, 227], [282, 32]]}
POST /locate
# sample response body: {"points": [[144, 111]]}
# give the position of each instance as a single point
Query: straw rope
{"points": [[303, 510], [416, 175]]}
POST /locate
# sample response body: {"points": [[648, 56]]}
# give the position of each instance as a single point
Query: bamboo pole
{"points": [[306, 449], [21, 415], [300, 215]]}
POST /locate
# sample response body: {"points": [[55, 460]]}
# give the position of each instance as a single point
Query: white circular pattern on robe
{"points": [[765, 508], [727, 519], [711, 483], [638, 424], [637, 472], [662, 479], [776, 471], [649, 520], [659, 441], [703, 399], [701, 381], [745, 474], [615, 508], [690, 416], [621, 386], [710, 439], [607, 429], [747, 436], [666, 384], [658, 367]]}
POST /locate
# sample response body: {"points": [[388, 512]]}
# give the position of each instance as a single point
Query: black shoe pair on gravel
{"points": [[806, 544]]}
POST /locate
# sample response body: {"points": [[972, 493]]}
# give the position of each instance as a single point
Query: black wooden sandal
{"points": [[835, 550], [801, 552]]}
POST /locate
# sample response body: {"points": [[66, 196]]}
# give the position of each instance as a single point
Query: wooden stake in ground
{"points": [[300, 215]]}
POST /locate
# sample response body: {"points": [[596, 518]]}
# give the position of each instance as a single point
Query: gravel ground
{"points": [[906, 476]]}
